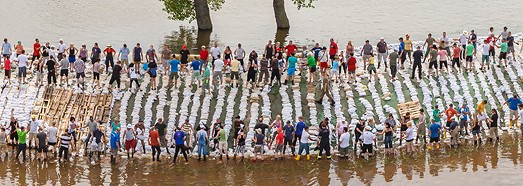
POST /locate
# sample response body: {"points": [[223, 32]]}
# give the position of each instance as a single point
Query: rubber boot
{"points": [[308, 157], [328, 157], [297, 158], [319, 157]]}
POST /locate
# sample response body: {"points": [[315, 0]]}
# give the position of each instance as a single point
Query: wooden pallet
{"points": [[412, 107]]}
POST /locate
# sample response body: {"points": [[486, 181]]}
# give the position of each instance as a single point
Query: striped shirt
{"points": [[65, 140]]}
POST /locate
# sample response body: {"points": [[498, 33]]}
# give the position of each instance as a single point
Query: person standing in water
{"points": [[64, 142], [434, 130], [139, 128], [222, 138], [288, 130], [130, 141], [41, 142], [154, 141], [304, 144], [324, 134], [203, 140], [179, 139], [422, 127], [115, 144]]}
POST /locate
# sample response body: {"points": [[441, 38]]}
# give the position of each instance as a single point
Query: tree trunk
{"points": [[203, 17], [279, 13]]}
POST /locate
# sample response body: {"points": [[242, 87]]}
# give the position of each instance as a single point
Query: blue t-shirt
{"points": [[434, 130], [174, 65], [316, 51], [299, 127], [178, 137], [513, 103], [115, 138], [292, 61], [195, 65], [125, 53], [335, 65], [401, 47], [466, 109], [288, 131]]}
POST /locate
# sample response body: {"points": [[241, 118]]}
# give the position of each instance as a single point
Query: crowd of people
{"points": [[209, 67]]}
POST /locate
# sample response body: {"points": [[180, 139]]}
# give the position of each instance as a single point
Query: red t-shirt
{"points": [[279, 138], [36, 49], [290, 49], [456, 52], [491, 39], [351, 64], [333, 49], [450, 112], [154, 138], [204, 54], [109, 50], [7, 64]]}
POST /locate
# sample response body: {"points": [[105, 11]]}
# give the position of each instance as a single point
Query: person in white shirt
{"points": [[215, 53], [217, 69], [344, 142], [485, 55], [22, 67], [61, 50], [134, 76], [368, 139], [33, 130], [304, 144], [463, 40], [446, 42], [409, 137], [52, 136]]}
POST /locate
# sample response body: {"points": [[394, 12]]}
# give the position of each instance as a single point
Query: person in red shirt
{"points": [[154, 141], [109, 57], [290, 48], [351, 66], [456, 55], [7, 67], [279, 144], [204, 54], [36, 52], [450, 112], [492, 52], [333, 49]]}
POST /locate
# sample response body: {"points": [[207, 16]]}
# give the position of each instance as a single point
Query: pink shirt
{"points": [[442, 55]]}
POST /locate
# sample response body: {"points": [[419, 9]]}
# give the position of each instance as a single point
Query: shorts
{"points": [[513, 114], [235, 75], [223, 145], [64, 72], [503, 55], [291, 71], [422, 130], [366, 57], [96, 75], [433, 64], [352, 71], [371, 68], [72, 59], [165, 63], [448, 124], [279, 148], [492, 52], [32, 137], [22, 72], [41, 148], [195, 75], [130, 144], [404, 128], [81, 74], [5, 55], [332, 57], [476, 132], [163, 141], [511, 49], [367, 148], [258, 149], [51, 143], [432, 140], [13, 136], [173, 75], [485, 58], [312, 69], [324, 65], [468, 58], [344, 151], [335, 72], [114, 152], [8, 73]]}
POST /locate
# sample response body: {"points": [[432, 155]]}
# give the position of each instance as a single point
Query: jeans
{"points": [[304, 146], [202, 148], [418, 66], [388, 142]]}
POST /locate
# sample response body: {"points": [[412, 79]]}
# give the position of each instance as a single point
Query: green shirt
{"points": [[292, 61], [221, 136], [207, 73], [393, 58], [311, 61], [435, 114], [433, 55], [22, 135], [504, 47], [470, 50]]}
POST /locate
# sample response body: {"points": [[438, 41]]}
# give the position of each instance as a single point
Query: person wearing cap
{"points": [[72, 51], [367, 139], [493, 125], [166, 57], [6, 48], [202, 139], [61, 49], [259, 141], [366, 52], [109, 53], [240, 144], [434, 131], [115, 144], [304, 144], [123, 55], [204, 55], [240, 53], [33, 131], [22, 146], [383, 50], [130, 140], [393, 60], [184, 58], [180, 138]]}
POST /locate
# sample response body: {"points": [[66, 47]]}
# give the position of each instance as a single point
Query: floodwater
{"points": [[131, 21], [499, 164]]}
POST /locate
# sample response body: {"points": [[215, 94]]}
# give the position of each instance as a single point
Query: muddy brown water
{"points": [[490, 164]]}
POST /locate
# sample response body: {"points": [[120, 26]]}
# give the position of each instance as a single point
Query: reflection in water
{"points": [[445, 164], [281, 34], [188, 36]]}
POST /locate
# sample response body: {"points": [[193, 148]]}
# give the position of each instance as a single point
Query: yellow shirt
{"points": [[235, 65], [408, 44], [371, 61], [481, 107]]}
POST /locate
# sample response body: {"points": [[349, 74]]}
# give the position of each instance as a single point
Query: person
{"points": [[279, 144], [41, 144], [476, 131], [162, 131], [139, 128], [51, 73], [275, 71], [97, 139], [456, 53], [433, 61], [36, 52], [133, 75], [371, 68], [492, 44], [450, 112], [429, 42], [383, 52], [195, 77], [83, 53], [130, 140], [312, 68], [335, 69], [115, 76], [150, 54], [174, 71], [123, 55], [91, 125], [443, 59], [366, 53], [154, 141], [64, 71], [187, 129], [485, 55], [409, 137], [95, 53], [464, 115], [61, 50], [510, 45], [184, 58], [368, 139], [179, 138], [324, 145], [387, 138], [3, 142], [137, 54], [481, 112], [7, 69], [504, 33], [493, 125], [340, 126], [288, 135], [299, 131], [251, 73], [222, 138], [215, 128], [304, 144], [206, 79], [417, 55], [323, 59], [503, 52], [166, 56], [115, 144], [259, 141], [22, 146], [325, 89], [203, 140], [109, 53], [434, 130], [227, 55], [217, 69], [13, 135], [96, 74], [520, 116], [291, 68], [72, 131], [513, 106], [351, 67], [215, 53], [393, 60], [64, 142], [344, 142], [408, 47], [240, 53], [6, 49], [235, 67], [52, 137], [263, 69], [33, 131], [19, 48], [463, 41], [343, 64], [240, 144], [22, 67], [403, 127], [446, 42], [358, 131], [79, 67], [72, 51], [454, 132], [421, 127], [204, 55]]}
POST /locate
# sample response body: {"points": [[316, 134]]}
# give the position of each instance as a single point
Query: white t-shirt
{"points": [[485, 50], [61, 48], [520, 116], [445, 41], [410, 133], [215, 51], [218, 65], [463, 39], [345, 140], [324, 57], [368, 137], [304, 137], [51, 134], [132, 73], [33, 127], [22, 60]]}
